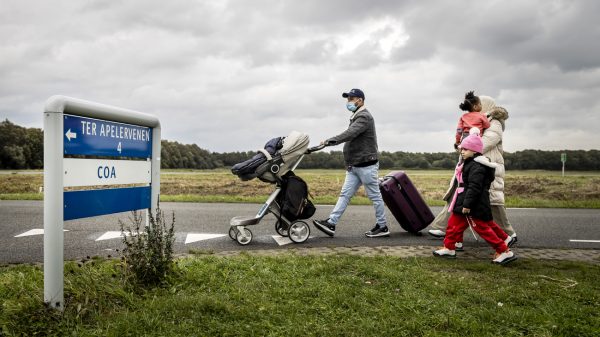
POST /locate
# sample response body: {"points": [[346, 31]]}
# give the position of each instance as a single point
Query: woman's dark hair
{"points": [[470, 101]]}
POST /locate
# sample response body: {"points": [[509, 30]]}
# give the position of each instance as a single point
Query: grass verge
{"points": [[292, 295], [21, 196]]}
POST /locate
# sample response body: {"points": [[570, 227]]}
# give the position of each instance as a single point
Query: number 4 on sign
{"points": [[119, 147]]}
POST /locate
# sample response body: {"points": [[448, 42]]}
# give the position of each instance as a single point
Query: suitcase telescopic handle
{"points": [[387, 177]]}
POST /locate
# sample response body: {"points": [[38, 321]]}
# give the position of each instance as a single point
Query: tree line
{"points": [[22, 148], [577, 160]]}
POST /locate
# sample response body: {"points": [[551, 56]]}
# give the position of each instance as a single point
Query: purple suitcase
{"points": [[405, 202]]}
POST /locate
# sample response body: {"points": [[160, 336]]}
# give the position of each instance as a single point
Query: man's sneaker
{"points": [[504, 258], [510, 241], [437, 233], [378, 231], [325, 226], [459, 247], [445, 252]]}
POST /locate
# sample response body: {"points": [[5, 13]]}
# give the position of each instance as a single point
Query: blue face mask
{"points": [[351, 106]]}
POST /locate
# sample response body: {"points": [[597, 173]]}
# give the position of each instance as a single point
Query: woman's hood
{"points": [[487, 103], [485, 161]]}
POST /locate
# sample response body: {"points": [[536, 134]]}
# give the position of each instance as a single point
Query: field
{"points": [[523, 188]]}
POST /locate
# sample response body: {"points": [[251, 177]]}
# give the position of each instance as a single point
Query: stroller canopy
{"points": [[277, 158], [294, 145]]}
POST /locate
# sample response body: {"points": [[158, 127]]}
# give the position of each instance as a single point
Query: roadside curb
{"points": [[479, 253]]}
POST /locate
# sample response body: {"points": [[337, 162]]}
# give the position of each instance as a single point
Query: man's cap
{"points": [[354, 93]]}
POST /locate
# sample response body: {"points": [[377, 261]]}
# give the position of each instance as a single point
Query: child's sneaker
{"points": [[437, 233], [445, 252], [459, 247], [510, 241], [504, 258]]}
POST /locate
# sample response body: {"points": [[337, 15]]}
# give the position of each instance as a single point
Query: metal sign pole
{"points": [[154, 198], [53, 210], [156, 133]]}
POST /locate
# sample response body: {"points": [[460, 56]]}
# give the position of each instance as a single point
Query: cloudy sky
{"points": [[229, 75]]}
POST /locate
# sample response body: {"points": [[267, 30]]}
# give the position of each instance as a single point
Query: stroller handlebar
{"points": [[315, 148]]}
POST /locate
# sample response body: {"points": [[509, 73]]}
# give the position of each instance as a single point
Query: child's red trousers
{"points": [[488, 230]]}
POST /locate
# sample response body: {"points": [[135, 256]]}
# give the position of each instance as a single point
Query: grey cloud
{"points": [[553, 33], [320, 51], [336, 15]]}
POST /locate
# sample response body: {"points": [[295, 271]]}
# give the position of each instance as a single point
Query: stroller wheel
{"points": [[232, 233], [244, 236], [281, 228], [299, 231]]}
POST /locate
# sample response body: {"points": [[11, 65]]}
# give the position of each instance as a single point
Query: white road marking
{"points": [[588, 241], [35, 231], [190, 237], [283, 240], [194, 237], [111, 235]]}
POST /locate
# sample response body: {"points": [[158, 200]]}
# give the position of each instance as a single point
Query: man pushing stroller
{"points": [[362, 166]]}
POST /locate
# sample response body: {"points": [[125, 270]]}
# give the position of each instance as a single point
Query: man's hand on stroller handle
{"points": [[321, 146], [316, 148]]}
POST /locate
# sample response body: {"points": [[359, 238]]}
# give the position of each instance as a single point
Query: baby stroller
{"points": [[275, 165]]}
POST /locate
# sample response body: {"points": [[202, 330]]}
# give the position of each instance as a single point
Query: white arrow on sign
{"points": [[70, 134]]}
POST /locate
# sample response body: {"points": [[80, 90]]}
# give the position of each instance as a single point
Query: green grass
{"points": [[545, 203], [21, 196], [292, 295]]}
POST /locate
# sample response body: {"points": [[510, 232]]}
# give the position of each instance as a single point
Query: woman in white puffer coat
{"points": [[492, 148]]}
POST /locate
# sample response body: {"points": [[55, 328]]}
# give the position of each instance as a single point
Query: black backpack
{"points": [[294, 199]]}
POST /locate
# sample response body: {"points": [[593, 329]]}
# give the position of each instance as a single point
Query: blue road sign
{"points": [[84, 204], [95, 137]]}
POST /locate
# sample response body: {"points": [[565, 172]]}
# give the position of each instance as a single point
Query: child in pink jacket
{"points": [[470, 205], [471, 119]]}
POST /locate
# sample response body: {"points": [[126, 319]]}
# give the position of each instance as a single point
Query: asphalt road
{"points": [[205, 227]]}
